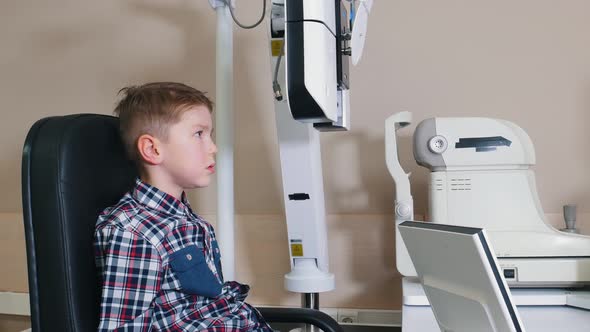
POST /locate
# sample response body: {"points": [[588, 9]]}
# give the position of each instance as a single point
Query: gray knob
{"points": [[569, 215]]}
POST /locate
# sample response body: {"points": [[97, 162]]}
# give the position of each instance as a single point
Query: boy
{"points": [[159, 261]]}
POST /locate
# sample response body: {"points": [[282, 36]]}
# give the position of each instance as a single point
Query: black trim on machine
{"points": [[482, 144], [441, 227], [499, 282], [303, 106], [298, 197]]}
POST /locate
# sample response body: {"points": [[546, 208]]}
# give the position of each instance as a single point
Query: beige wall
{"points": [[13, 257], [10, 323], [525, 61]]}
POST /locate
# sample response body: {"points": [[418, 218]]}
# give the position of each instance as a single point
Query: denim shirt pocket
{"points": [[217, 257], [191, 269]]}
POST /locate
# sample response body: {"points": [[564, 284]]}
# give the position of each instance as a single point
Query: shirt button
{"points": [[189, 257]]}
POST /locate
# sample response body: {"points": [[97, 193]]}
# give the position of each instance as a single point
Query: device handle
{"points": [[404, 203]]}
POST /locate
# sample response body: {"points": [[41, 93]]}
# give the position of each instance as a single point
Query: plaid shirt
{"points": [[161, 270]]}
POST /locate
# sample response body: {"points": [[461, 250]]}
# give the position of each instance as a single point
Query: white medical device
{"points": [[317, 66], [481, 177], [314, 37], [460, 277]]}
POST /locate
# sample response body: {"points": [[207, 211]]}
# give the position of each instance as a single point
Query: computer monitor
{"points": [[460, 276]]}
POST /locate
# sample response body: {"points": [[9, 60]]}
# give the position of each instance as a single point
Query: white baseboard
{"points": [[365, 317], [14, 304]]}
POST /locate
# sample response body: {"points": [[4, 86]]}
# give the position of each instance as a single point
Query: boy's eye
{"points": [[199, 133]]}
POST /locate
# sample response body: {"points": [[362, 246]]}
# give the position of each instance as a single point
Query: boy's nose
{"points": [[213, 148]]}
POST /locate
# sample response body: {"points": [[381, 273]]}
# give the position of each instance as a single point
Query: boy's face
{"points": [[189, 152]]}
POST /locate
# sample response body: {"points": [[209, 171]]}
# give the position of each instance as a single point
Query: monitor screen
{"points": [[460, 277]]}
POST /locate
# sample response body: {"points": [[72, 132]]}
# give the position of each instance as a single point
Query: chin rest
{"points": [[73, 167]]}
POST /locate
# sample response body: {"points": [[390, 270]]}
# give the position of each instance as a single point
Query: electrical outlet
{"points": [[346, 316]]}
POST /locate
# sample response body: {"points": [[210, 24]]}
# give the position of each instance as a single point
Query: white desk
{"points": [[541, 310]]}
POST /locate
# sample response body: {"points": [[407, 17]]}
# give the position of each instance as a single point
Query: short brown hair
{"points": [[152, 108]]}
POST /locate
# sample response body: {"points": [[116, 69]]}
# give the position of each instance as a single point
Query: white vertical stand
{"points": [[224, 123]]}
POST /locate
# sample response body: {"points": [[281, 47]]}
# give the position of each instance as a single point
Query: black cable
{"points": [[275, 81]]}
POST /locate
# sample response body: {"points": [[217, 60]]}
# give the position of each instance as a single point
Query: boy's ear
{"points": [[150, 149]]}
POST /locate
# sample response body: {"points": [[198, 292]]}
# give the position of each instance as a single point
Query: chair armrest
{"points": [[301, 315]]}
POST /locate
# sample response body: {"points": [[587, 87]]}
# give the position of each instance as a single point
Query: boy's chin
{"points": [[199, 184]]}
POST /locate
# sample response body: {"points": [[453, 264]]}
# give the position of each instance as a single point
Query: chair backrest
{"points": [[72, 168]]}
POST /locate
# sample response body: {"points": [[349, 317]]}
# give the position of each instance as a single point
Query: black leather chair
{"points": [[72, 168]]}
